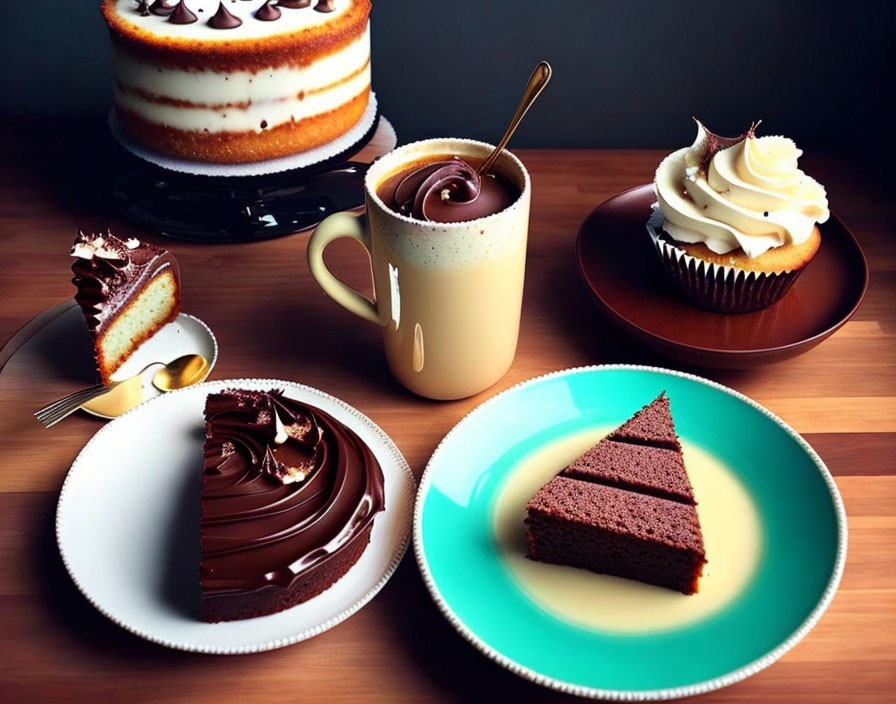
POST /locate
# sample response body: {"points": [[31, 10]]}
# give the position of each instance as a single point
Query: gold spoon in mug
{"points": [[537, 81], [176, 374]]}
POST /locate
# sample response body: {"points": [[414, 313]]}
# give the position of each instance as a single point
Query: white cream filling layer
{"points": [[218, 88], [273, 96], [256, 117]]}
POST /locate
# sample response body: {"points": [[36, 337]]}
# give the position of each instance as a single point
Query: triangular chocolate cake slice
{"points": [[626, 507], [618, 532]]}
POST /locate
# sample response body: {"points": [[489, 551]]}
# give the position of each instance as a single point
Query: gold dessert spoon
{"points": [[124, 395], [183, 371], [537, 81]]}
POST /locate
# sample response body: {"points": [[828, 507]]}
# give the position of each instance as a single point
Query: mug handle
{"points": [[332, 228]]}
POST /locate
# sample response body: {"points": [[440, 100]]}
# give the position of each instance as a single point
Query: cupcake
{"points": [[735, 221]]}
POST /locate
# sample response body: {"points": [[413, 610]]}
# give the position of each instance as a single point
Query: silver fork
{"points": [[64, 407]]}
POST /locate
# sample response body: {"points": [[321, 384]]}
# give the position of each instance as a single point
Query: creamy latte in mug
{"points": [[448, 294]]}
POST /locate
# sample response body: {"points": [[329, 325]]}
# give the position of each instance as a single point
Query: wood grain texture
{"points": [[272, 320]]}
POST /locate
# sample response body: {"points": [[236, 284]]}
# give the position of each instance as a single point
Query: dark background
{"points": [[626, 73]]}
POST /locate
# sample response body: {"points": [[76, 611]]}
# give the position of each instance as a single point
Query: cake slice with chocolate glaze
{"points": [[128, 290], [626, 507], [289, 497]]}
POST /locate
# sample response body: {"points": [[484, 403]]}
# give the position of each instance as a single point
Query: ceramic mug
{"points": [[447, 295]]}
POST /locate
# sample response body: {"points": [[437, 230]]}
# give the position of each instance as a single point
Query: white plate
{"points": [[127, 525], [184, 335]]}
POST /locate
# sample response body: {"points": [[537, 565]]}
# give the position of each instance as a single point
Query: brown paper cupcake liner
{"points": [[725, 289]]}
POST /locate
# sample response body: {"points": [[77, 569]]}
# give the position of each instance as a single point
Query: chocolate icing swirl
{"points": [[450, 190], [294, 4], [286, 487], [108, 272], [224, 19], [324, 6], [452, 182]]}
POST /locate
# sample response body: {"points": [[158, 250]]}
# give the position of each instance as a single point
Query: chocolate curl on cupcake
{"points": [[715, 143]]}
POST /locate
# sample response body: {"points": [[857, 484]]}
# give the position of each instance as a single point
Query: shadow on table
{"points": [[585, 327], [603, 342], [63, 348], [337, 346], [451, 664], [178, 586]]}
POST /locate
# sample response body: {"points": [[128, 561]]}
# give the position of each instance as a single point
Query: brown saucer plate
{"points": [[622, 271]]}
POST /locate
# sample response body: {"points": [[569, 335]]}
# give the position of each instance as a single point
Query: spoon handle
{"points": [[537, 81]]}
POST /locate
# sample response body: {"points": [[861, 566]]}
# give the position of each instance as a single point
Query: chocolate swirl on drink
{"points": [[287, 491], [450, 190]]}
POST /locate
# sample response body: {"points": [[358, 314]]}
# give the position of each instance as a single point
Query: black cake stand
{"points": [[246, 203]]}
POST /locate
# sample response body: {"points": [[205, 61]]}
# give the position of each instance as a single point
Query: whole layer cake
{"points": [[127, 290], [234, 82], [626, 507], [289, 498]]}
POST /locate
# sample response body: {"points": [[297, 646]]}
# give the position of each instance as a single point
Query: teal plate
{"points": [[801, 521]]}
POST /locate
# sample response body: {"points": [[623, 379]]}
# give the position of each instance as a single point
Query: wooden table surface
{"points": [[272, 320]]}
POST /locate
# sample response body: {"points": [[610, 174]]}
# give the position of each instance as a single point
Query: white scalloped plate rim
{"points": [[725, 680], [401, 544]]}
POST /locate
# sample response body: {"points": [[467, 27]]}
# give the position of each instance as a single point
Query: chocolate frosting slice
{"points": [[286, 487], [109, 272]]}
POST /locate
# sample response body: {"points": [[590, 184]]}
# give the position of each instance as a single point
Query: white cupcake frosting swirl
{"points": [[751, 195]]}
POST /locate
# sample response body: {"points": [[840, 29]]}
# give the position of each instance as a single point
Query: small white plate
{"points": [[127, 525], [184, 335]]}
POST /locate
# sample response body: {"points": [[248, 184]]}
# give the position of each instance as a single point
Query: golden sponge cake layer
{"points": [[155, 306]]}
